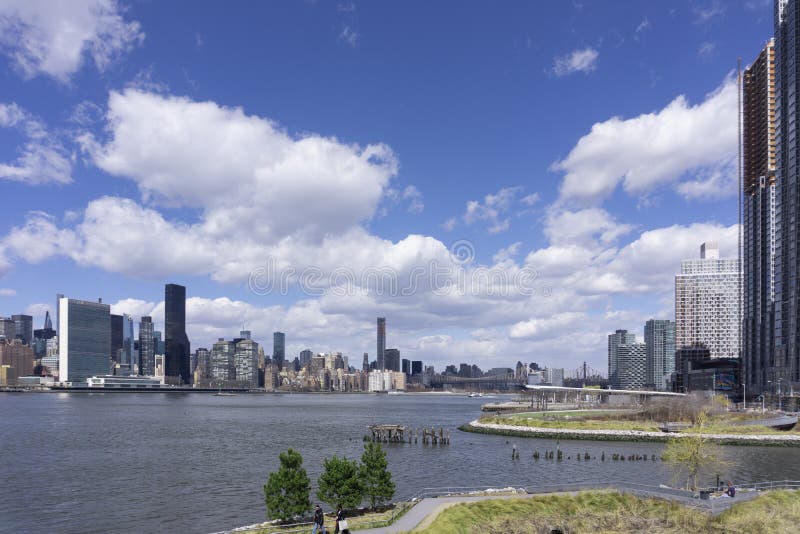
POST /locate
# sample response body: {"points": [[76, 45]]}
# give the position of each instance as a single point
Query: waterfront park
{"points": [[692, 428]]}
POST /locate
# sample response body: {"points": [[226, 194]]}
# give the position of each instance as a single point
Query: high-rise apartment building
{"points": [[786, 366], [659, 340], [707, 305], [631, 365], [176, 357], [245, 362], [223, 369], [381, 343], [305, 357], [759, 207], [147, 347], [84, 340], [24, 327], [620, 337], [126, 361], [116, 337], [278, 349], [365, 362]]}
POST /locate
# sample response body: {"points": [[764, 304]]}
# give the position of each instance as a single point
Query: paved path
{"points": [[427, 509]]}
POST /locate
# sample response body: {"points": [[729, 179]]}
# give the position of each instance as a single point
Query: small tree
{"points": [[375, 477], [693, 455], [339, 483], [286, 492]]}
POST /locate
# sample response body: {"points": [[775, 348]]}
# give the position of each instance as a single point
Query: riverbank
{"points": [[608, 511], [476, 426]]}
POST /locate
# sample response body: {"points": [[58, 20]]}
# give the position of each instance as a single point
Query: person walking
{"points": [[341, 523], [731, 491], [319, 521]]}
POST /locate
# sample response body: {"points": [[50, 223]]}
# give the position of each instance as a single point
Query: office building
{"points": [[759, 208], [631, 365], [554, 376], [24, 327], [8, 328], [365, 363], [659, 338], [685, 359], [707, 306], [84, 340], [127, 361], [279, 349], [42, 335], [176, 356], [245, 334], [620, 337], [786, 366], [203, 369], [416, 367], [406, 366], [305, 358], [147, 347], [391, 360], [381, 343], [116, 337]]}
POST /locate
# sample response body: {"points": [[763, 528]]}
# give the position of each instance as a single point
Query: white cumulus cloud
{"points": [[583, 60]]}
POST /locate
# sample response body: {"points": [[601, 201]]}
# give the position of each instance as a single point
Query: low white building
{"points": [[124, 382]]}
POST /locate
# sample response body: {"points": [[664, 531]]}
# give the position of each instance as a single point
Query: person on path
{"points": [[731, 491], [319, 521], [341, 517]]}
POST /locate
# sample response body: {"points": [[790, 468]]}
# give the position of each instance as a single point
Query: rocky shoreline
{"points": [[626, 435]]}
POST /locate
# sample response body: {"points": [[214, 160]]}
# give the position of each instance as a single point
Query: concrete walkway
{"points": [[426, 510]]}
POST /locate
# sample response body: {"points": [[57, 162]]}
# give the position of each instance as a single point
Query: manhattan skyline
{"points": [[592, 143]]}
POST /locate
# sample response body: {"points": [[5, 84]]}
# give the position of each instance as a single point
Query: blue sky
{"points": [[592, 143]]}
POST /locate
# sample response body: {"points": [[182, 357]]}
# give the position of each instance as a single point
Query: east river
{"points": [[154, 462]]}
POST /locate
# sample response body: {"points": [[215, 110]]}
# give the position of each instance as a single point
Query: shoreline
{"points": [[626, 435]]}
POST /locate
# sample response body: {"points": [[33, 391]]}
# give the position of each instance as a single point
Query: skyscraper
{"points": [[127, 362], [116, 337], [176, 357], [381, 343], [659, 339], [278, 349], [84, 340], [631, 365], [245, 362], [391, 360], [147, 347], [305, 357], [620, 337], [8, 329], [24, 326], [365, 363], [223, 369], [707, 306], [759, 226], [787, 163]]}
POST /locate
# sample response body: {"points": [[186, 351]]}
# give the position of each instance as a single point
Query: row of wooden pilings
{"points": [[404, 434]]}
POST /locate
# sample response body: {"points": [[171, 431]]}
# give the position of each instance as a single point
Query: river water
{"points": [[156, 462]]}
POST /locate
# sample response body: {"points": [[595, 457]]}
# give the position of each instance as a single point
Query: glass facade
{"points": [[278, 349], [147, 347], [659, 338], [24, 328], [245, 361], [381, 343], [176, 357], [84, 340]]}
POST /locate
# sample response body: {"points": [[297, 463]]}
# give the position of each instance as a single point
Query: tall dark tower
{"points": [[279, 349], [176, 357], [381, 343]]}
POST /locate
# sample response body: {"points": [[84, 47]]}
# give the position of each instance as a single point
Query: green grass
{"points": [[582, 423], [355, 522], [607, 512]]}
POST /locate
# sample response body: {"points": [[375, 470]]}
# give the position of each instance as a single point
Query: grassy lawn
{"points": [[355, 522], [596, 512], [628, 420]]}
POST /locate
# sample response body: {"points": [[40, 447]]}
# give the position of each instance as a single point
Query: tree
{"points": [[339, 483], [286, 492], [375, 477], [692, 454]]}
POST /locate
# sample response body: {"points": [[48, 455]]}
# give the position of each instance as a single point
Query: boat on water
{"points": [[224, 394], [475, 395]]}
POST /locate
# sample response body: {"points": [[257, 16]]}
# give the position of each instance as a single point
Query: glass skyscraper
{"points": [[620, 337], [84, 339], [24, 327], [278, 349], [176, 357], [659, 338]]}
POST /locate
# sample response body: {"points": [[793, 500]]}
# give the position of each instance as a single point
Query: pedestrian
{"points": [[731, 491], [341, 523], [319, 521]]}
